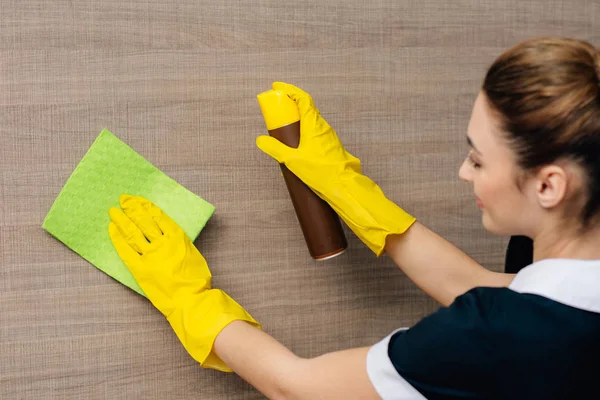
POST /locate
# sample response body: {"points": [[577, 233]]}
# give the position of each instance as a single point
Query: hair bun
{"points": [[597, 64]]}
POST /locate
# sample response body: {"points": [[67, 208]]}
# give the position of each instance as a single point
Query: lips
{"points": [[479, 203]]}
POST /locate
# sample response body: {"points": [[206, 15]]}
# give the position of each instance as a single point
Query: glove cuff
{"points": [[199, 320], [366, 210]]}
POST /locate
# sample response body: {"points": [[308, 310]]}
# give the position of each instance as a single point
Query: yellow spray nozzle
{"points": [[278, 109]]}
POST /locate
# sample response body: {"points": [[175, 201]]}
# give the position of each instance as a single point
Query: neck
{"points": [[564, 242]]}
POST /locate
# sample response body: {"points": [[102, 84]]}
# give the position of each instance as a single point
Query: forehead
{"points": [[479, 115], [482, 127]]}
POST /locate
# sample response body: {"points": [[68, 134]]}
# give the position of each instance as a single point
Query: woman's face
{"points": [[491, 168]]}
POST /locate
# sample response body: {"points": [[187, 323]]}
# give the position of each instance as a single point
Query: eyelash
{"points": [[474, 163]]}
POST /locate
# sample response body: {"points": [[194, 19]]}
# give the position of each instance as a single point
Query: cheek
{"points": [[487, 190], [496, 192], [501, 204]]}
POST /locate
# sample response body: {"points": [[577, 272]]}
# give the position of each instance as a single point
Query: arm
{"points": [[214, 329], [321, 161], [437, 266], [279, 374], [440, 268]]}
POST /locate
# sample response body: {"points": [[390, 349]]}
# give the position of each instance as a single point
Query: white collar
{"points": [[575, 283]]}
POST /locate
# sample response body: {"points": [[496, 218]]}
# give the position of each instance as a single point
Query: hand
{"points": [[319, 144], [334, 174], [160, 256], [174, 276]]}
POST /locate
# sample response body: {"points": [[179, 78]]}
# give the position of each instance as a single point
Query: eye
{"points": [[473, 162]]}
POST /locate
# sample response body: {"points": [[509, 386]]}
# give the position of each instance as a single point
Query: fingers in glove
{"points": [[131, 233], [273, 147], [143, 213], [125, 251], [302, 99], [160, 218], [310, 117]]}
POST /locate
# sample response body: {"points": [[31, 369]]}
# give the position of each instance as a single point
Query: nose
{"points": [[464, 172]]}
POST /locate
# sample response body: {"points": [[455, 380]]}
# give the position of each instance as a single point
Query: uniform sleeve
{"points": [[447, 355], [383, 375]]}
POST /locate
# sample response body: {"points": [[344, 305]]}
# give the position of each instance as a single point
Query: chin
{"points": [[491, 226]]}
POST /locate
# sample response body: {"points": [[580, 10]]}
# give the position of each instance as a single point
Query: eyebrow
{"points": [[470, 142]]}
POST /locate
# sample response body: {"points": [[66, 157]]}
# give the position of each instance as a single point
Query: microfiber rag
{"points": [[79, 216]]}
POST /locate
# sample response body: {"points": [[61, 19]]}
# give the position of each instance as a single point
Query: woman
{"points": [[534, 164]]}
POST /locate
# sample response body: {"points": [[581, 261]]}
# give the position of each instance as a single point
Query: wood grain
{"points": [[177, 81]]}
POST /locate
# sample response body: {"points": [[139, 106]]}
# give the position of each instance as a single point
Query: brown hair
{"points": [[546, 93]]}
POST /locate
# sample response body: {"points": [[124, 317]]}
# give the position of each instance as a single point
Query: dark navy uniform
{"points": [[537, 339]]}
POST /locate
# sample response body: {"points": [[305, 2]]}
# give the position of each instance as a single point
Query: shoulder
{"points": [[443, 353], [462, 350]]}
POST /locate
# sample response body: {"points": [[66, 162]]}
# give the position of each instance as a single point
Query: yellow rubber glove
{"points": [[323, 164], [174, 276]]}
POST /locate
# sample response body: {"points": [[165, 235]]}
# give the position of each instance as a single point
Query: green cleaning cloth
{"points": [[79, 216]]}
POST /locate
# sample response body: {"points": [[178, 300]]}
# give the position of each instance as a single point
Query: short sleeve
{"points": [[447, 355], [384, 377]]}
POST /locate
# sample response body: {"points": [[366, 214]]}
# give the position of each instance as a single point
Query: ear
{"points": [[551, 185]]}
